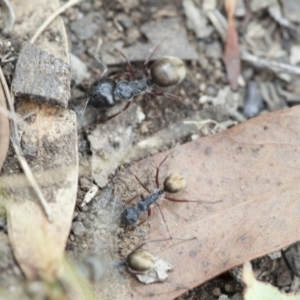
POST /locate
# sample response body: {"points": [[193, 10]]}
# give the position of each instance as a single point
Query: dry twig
{"points": [[268, 64]]}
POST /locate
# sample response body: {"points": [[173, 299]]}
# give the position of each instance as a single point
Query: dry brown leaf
{"points": [[4, 128], [232, 49], [255, 169], [50, 138]]}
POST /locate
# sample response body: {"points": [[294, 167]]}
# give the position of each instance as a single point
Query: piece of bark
{"points": [[41, 77]]}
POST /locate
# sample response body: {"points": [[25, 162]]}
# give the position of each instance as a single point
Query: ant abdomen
{"points": [[140, 261], [101, 93], [168, 71], [174, 183]]}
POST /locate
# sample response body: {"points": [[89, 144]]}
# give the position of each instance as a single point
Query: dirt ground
{"points": [[99, 28], [206, 76]]}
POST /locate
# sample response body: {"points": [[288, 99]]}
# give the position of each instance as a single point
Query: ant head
{"points": [[129, 216], [140, 261], [101, 93], [168, 71], [174, 183]]}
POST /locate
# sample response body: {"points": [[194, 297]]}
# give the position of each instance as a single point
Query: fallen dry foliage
{"points": [[231, 57], [51, 135], [4, 128], [254, 169]]}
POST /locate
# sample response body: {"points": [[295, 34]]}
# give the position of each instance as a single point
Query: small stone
{"points": [[210, 91], [202, 87], [253, 102], [237, 296], [216, 291], [85, 28], [214, 50], [30, 150], [284, 278], [78, 229], [229, 287], [223, 297], [291, 10], [133, 34], [124, 20], [85, 184]]}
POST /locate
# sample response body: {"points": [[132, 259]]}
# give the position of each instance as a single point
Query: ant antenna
{"points": [[84, 108], [103, 65], [105, 69], [148, 58]]}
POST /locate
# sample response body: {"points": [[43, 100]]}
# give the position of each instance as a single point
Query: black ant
{"points": [[174, 183], [165, 72]]}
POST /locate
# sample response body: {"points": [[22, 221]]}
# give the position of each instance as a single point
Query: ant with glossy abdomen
{"points": [[174, 183], [164, 72]]}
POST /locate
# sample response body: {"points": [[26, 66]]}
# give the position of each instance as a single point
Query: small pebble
{"points": [[78, 229], [223, 297], [284, 278], [237, 296], [85, 184], [253, 102], [216, 291], [229, 287], [210, 91]]}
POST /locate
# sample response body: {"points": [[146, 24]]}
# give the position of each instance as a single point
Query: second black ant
{"points": [[164, 72], [174, 183]]}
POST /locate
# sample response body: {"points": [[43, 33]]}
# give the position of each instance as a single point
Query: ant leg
{"points": [[171, 237], [185, 200], [142, 231], [128, 64], [149, 215], [84, 108], [147, 242], [105, 69], [148, 58], [157, 171], [147, 98], [119, 112], [142, 184], [133, 198], [118, 76], [168, 95]]}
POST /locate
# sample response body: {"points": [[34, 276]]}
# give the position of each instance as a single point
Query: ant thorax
{"points": [[126, 90]]}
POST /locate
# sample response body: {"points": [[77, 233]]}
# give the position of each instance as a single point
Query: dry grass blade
{"points": [[255, 169], [4, 128]]}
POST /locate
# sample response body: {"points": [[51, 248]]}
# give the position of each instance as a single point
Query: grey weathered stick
{"points": [[271, 65]]}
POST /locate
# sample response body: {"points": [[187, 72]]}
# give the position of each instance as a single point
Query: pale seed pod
{"points": [[174, 183], [168, 71], [140, 261]]}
